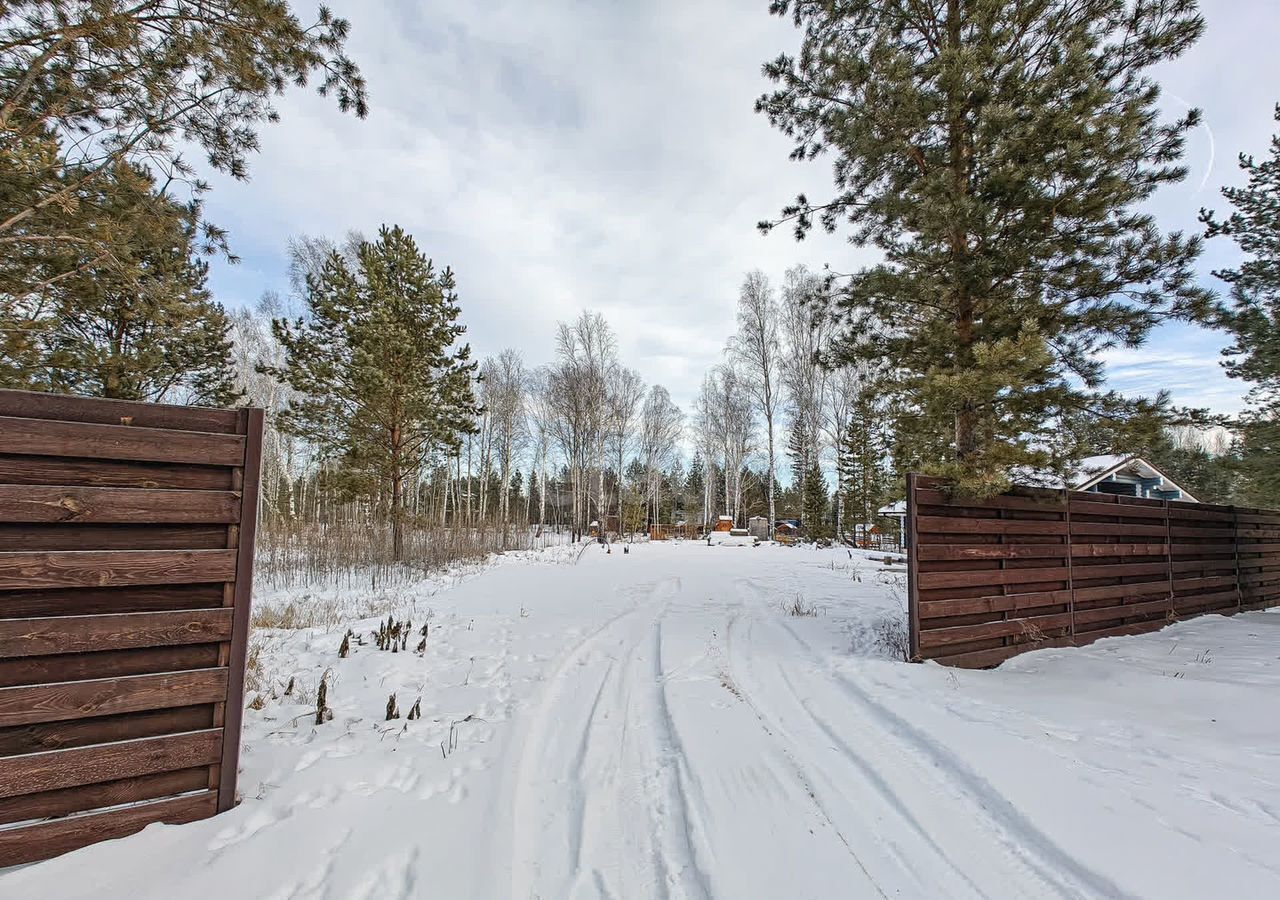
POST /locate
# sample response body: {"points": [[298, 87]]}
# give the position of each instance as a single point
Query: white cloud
{"points": [[568, 155]]}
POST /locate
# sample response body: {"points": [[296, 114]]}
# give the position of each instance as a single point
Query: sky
{"points": [[605, 155]]}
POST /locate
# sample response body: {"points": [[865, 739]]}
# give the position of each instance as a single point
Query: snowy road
{"points": [[655, 725]]}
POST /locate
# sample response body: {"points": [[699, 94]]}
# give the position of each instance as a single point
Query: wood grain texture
{"points": [[27, 503], [251, 423], [93, 601], [118, 442], [87, 634], [22, 670], [33, 738], [38, 405], [126, 559], [135, 789], [44, 538], [41, 841], [111, 568], [992, 578], [35, 772], [107, 696], [23, 469]]}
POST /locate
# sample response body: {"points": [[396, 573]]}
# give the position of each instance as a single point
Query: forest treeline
{"points": [[1002, 166]]}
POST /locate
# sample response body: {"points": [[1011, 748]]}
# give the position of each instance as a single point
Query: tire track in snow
{"points": [[529, 818], [1017, 835], [770, 729], [581, 759], [674, 773]]}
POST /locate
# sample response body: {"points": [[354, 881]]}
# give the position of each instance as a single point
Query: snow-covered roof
{"points": [[898, 508], [726, 518], [1093, 469]]}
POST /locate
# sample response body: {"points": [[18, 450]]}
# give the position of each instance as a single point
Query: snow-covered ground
{"points": [[660, 724]]}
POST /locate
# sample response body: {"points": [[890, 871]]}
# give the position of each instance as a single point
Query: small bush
{"points": [[800, 607], [892, 637]]}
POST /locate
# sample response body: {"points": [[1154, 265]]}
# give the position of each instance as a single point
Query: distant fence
{"points": [[126, 555], [1033, 568]]}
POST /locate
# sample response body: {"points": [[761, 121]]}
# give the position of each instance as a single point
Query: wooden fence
{"points": [[1035, 568], [126, 556]]}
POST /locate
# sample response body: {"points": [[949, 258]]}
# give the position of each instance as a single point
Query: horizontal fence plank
{"points": [[25, 503], [38, 405], [1118, 549], [931, 609], [34, 772], [85, 634], [32, 842], [136, 789], [1125, 511], [95, 601], [1026, 625], [46, 538], [36, 737], [933, 580], [939, 552], [35, 437], [106, 696], [1102, 614], [24, 469], [949, 525], [106, 664], [107, 568]]}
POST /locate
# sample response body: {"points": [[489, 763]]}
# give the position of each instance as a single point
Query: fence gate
{"points": [[126, 556]]}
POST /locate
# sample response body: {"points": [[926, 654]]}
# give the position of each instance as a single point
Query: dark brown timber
{"points": [[1030, 569], [126, 559]]}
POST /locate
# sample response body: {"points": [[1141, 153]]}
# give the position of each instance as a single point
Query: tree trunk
{"points": [[772, 462]]}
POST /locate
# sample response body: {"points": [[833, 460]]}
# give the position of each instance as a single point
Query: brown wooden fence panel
{"points": [[1036, 568], [126, 558]]}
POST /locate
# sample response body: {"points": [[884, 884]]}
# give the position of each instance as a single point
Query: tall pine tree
{"points": [[382, 385], [144, 328], [1252, 316], [998, 153]]}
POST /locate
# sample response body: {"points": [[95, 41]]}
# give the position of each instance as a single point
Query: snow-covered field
{"points": [[659, 724]]}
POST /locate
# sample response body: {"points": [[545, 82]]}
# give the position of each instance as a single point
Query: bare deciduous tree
{"points": [[662, 425], [757, 348]]}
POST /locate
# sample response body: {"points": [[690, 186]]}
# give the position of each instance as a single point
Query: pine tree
{"points": [[1252, 316], [997, 153], [382, 385], [144, 328], [88, 87]]}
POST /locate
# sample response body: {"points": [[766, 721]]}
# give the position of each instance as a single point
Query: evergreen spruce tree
{"points": [[1252, 316], [865, 478], [535, 496], [814, 502], [998, 154], [807, 479], [144, 328], [381, 384], [694, 484]]}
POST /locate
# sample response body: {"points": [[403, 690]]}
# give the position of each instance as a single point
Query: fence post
{"points": [[1071, 585], [913, 558], [1168, 556], [1235, 556], [234, 710]]}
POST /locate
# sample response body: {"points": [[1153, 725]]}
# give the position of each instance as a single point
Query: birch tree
{"points": [[758, 350]]}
